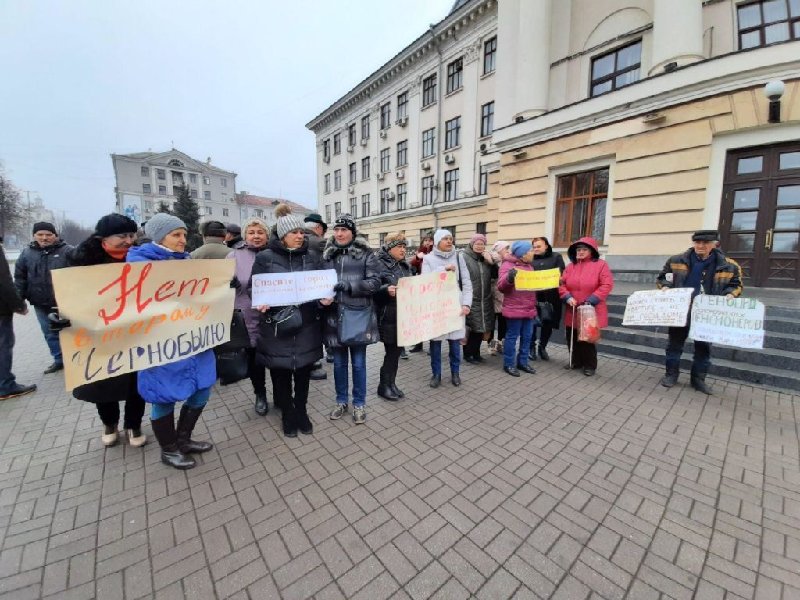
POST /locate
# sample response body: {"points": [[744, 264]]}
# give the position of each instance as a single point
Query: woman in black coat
{"points": [[392, 257], [113, 236], [544, 258], [289, 350]]}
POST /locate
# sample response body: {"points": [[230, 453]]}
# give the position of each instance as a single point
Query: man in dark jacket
{"points": [[315, 234], [34, 283], [214, 245], [707, 270], [10, 304], [233, 235]]}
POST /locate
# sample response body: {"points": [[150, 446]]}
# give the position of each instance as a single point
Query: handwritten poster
{"points": [[547, 279], [283, 289], [667, 308], [738, 322], [428, 306], [131, 316]]}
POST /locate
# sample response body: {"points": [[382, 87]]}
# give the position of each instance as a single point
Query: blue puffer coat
{"points": [[173, 382]]}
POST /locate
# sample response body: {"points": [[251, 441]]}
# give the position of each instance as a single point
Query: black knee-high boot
{"points": [[164, 430], [186, 423]]}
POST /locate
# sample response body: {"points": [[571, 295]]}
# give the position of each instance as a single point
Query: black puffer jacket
{"points": [[550, 260], [304, 347], [392, 272], [10, 301], [481, 314], [357, 265], [32, 272]]}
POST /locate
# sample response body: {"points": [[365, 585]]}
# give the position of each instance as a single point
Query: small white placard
{"points": [[283, 289], [668, 308], [737, 322]]}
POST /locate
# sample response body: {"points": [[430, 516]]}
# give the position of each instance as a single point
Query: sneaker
{"points": [[359, 415], [338, 412], [404, 355], [18, 390], [135, 437], [110, 436]]}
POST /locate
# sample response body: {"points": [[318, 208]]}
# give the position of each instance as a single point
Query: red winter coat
{"points": [[589, 280], [517, 304]]}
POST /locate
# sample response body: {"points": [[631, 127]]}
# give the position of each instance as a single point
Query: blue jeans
{"points": [[197, 400], [521, 329], [7, 380], [51, 337], [436, 356], [341, 373]]}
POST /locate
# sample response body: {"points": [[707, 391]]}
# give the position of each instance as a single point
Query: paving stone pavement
{"points": [[547, 486]]}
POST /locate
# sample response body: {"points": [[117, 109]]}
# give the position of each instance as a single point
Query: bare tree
{"points": [[73, 233], [12, 215]]}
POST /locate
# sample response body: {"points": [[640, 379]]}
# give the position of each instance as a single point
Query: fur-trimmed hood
{"points": [[358, 248]]}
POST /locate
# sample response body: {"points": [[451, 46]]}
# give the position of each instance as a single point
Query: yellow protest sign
{"points": [[428, 306], [546, 279], [130, 316]]}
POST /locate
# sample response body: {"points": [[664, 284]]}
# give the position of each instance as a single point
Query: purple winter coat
{"points": [[517, 304], [245, 257]]}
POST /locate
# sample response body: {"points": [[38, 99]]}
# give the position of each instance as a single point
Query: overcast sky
{"points": [[236, 80]]}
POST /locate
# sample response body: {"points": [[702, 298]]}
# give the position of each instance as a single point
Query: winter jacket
{"points": [[436, 261], [315, 242], [726, 279], [416, 263], [305, 346], [550, 260], [517, 304], [391, 273], [32, 272], [587, 281], [245, 256], [357, 265], [481, 315], [176, 381], [10, 300], [212, 249]]}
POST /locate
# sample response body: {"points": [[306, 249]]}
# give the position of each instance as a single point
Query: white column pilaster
{"points": [[506, 64], [677, 33], [533, 57]]}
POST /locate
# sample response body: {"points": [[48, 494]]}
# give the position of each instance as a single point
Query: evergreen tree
{"points": [[187, 211], [164, 207]]}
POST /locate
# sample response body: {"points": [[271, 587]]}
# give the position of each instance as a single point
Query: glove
{"points": [[593, 300], [512, 275], [235, 283], [57, 323], [342, 286]]}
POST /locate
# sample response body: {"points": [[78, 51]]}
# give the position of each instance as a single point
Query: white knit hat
{"points": [[440, 235]]}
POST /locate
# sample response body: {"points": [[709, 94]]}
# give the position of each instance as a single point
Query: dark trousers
{"points": [[391, 360], [545, 329], [584, 354], [702, 351], [134, 411], [473, 346], [7, 380], [502, 326], [292, 404], [257, 372]]}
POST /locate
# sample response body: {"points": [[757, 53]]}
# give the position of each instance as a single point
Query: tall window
{"points": [[581, 206], [452, 133], [487, 119], [206, 180], [351, 134], [192, 177], [402, 153], [429, 90], [206, 193], [428, 142], [146, 189], [365, 127], [483, 180], [354, 207], [223, 181], [145, 171], [455, 73], [337, 143], [402, 193], [193, 193], [428, 190], [384, 200], [161, 174], [385, 160], [386, 115], [365, 205], [365, 168], [450, 185], [616, 69], [337, 209], [768, 22], [326, 150], [327, 180], [402, 105], [489, 55], [480, 228], [352, 175], [337, 179], [327, 213]]}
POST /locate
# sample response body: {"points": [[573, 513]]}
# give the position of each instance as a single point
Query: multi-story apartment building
{"points": [[635, 121], [145, 179], [250, 205]]}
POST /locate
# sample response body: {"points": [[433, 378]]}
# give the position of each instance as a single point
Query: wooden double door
{"points": [[760, 214]]}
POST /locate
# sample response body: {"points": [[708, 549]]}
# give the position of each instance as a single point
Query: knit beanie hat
{"points": [[44, 226], [520, 249], [288, 223], [113, 224], [346, 221], [160, 225], [478, 237], [440, 235]]}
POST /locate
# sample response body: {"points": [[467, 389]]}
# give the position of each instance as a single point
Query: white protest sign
{"points": [[283, 289], [738, 322], [668, 308]]}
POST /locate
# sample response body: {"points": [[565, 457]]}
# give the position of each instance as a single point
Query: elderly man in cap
{"points": [[214, 245], [233, 235], [34, 284], [707, 270], [316, 229]]}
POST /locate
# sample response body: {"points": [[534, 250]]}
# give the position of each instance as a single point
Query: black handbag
{"points": [[357, 325], [286, 321], [232, 366], [545, 311]]}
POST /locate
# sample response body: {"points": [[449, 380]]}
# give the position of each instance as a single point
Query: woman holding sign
{"points": [[519, 309], [548, 304], [290, 337], [188, 380]]}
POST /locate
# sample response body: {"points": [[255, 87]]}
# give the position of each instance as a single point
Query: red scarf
{"points": [[115, 253]]}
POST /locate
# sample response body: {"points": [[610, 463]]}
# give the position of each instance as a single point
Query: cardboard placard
{"points": [[667, 307], [546, 279], [736, 322], [428, 306]]}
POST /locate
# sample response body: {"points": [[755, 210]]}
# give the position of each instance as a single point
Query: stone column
{"points": [[533, 57], [506, 64], [677, 33]]}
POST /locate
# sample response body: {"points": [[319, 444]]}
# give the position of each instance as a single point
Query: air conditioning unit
{"points": [[426, 166], [391, 196], [350, 149], [382, 134], [484, 149], [449, 159], [400, 174], [402, 121], [351, 189], [381, 176], [364, 141]]}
